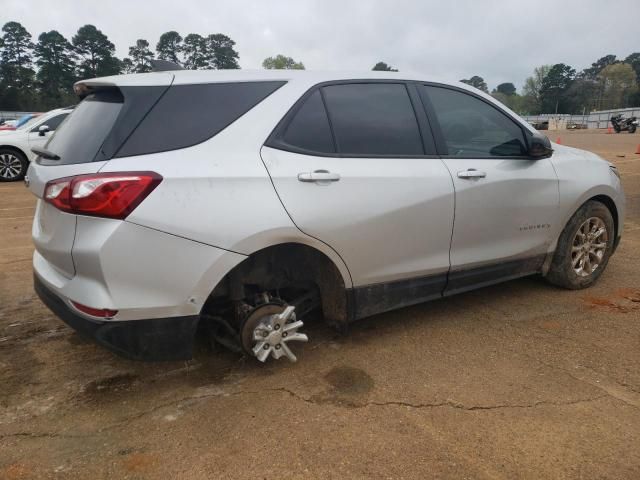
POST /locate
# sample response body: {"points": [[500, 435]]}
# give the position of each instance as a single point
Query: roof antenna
{"points": [[164, 66]]}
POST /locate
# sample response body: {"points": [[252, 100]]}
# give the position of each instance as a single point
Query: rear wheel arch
{"points": [[294, 264]]}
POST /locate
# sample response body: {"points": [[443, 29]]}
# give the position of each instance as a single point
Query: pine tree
{"points": [[195, 52], [56, 69], [169, 47], [221, 52], [96, 53], [15, 67], [140, 56]]}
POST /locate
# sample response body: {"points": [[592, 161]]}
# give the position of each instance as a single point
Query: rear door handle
{"points": [[472, 173], [320, 176]]}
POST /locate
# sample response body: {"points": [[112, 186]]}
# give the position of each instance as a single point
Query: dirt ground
{"points": [[519, 380]]}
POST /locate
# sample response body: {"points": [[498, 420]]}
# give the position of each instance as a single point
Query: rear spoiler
{"points": [[164, 78]]}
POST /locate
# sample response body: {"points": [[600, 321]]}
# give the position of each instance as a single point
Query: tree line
{"points": [[40, 75], [609, 83]]}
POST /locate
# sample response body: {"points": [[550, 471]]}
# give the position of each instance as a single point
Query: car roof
{"points": [[305, 78], [178, 77]]}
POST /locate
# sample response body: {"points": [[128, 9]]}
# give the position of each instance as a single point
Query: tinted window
{"points": [[53, 122], [373, 119], [473, 128], [80, 138], [189, 114], [309, 128]]}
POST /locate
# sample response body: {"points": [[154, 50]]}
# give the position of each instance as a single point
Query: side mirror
{"points": [[42, 130], [540, 147]]}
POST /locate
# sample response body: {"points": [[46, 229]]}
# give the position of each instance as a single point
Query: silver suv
{"points": [[239, 201]]}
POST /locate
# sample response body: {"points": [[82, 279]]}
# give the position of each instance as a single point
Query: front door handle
{"points": [[319, 176], [471, 173]]}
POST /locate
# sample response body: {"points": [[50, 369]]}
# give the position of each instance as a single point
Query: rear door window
{"points": [[373, 119], [309, 128], [473, 128]]}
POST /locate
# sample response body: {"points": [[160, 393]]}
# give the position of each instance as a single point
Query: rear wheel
{"points": [[632, 129], [584, 247], [13, 165]]}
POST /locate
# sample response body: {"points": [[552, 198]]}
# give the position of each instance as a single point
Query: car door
{"points": [[506, 202], [37, 138], [356, 168]]}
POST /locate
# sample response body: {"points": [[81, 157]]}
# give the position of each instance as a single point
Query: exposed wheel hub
{"points": [[268, 331]]}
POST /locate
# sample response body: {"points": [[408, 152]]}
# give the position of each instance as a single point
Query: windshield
{"points": [[25, 121]]}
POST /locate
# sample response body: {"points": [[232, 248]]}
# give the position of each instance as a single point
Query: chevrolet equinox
{"points": [[239, 201]]}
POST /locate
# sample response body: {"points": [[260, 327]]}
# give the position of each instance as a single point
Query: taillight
{"points": [[110, 195]]}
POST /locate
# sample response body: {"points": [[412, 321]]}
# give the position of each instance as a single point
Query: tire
{"points": [[13, 165], [617, 129], [576, 235], [632, 129]]}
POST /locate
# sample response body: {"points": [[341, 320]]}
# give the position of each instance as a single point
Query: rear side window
{"points": [[472, 127], [86, 128], [373, 119], [190, 114], [309, 129]]}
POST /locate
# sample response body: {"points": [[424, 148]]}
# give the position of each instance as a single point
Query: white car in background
{"points": [[16, 145]]}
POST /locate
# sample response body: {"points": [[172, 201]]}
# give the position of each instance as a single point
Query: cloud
{"points": [[499, 40]]}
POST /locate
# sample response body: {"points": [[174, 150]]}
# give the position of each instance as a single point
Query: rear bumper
{"points": [[154, 339]]}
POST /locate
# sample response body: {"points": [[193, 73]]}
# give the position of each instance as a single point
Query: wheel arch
{"points": [[611, 205], [604, 195], [15, 149], [294, 262]]}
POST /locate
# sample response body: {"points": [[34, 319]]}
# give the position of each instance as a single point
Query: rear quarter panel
{"points": [[219, 192]]}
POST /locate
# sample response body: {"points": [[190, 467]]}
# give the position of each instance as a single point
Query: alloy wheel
{"points": [[10, 166], [589, 246]]}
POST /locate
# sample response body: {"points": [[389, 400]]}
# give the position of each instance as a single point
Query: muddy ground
{"points": [[519, 380]]}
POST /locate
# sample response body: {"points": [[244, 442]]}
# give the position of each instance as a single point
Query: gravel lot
{"points": [[519, 380]]}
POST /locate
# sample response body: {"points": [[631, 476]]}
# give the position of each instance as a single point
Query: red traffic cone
{"points": [[638, 150], [558, 141], [609, 130]]}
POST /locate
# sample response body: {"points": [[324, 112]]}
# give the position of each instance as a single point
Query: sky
{"points": [[501, 41]]}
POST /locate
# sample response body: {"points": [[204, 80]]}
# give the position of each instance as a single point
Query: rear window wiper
{"points": [[44, 153]]}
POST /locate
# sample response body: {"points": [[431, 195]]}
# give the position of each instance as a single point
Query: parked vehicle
{"points": [[624, 124], [16, 145], [239, 201], [15, 124], [8, 125], [544, 125]]}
